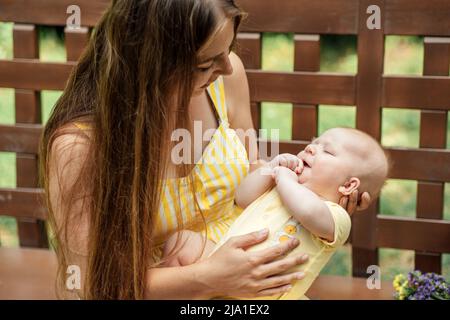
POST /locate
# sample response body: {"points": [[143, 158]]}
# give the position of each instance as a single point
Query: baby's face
{"points": [[328, 161]]}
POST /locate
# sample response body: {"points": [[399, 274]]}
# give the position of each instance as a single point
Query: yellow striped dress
{"points": [[223, 165]]}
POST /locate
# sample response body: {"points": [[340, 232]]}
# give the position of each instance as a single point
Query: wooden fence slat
{"points": [[414, 164], [34, 75], [51, 12], [307, 58], [32, 233], [433, 134], [430, 18], [20, 138], [23, 202], [301, 16], [425, 92], [413, 233], [417, 17], [302, 87]]}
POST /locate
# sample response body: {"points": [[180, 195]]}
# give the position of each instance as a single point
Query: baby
{"points": [[296, 197]]}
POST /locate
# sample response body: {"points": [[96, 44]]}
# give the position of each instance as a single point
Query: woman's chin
{"points": [[198, 91]]}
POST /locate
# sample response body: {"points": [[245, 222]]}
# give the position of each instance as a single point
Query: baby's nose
{"points": [[310, 149]]}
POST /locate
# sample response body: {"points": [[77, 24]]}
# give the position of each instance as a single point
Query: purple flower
{"points": [[426, 286]]}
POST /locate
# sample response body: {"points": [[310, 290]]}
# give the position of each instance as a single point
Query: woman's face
{"points": [[214, 58]]}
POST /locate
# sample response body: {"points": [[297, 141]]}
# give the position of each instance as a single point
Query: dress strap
{"points": [[82, 126], [216, 91]]}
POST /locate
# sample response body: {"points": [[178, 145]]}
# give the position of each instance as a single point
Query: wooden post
{"points": [[32, 232], [250, 51], [307, 58], [368, 119], [433, 134]]}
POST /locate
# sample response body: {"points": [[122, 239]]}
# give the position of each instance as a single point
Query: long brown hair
{"points": [[136, 70]]}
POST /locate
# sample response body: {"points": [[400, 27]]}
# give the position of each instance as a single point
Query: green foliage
{"points": [[336, 116]]}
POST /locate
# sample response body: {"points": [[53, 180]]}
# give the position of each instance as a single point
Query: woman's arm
{"points": [[183, 283]]}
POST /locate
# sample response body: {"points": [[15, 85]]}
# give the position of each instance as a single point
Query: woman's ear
{"points": [[349, 186]]}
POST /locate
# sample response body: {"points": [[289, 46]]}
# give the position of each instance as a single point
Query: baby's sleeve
{"points": [[342, 225]]}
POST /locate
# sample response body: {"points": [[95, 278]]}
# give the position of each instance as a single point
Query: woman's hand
{"points": [[353, 203], [233, 271]]}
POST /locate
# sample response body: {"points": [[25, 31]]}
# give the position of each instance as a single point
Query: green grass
{"points": [[400, 128]]}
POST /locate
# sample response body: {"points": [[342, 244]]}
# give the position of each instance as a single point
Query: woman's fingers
{"points": [[275, 252], [352, 202], [278, 281], [280, 266], [274, 291], [343, 202], [365, 201], [249, 239]]}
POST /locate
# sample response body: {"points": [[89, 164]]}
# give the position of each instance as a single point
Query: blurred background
{"points": [[404, 55]]}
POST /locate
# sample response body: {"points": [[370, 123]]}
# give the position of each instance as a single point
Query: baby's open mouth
{"points": [[306, 164]]}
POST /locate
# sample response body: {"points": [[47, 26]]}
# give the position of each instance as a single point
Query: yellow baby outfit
{"points": [[268, 212]]}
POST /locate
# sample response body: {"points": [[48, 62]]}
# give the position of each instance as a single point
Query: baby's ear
{"points": [[349, 186]]}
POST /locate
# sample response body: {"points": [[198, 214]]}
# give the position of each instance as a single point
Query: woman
{"points": [[114, 193]]}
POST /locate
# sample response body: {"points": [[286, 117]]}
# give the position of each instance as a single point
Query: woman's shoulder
{"points": [[236, 85], [70, 143]]}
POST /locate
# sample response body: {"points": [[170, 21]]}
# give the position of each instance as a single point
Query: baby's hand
{"points": [[289, 161], [281, 173]]}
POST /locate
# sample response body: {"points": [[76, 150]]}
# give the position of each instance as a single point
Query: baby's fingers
{"points": [[293, 163], [299, 168]]}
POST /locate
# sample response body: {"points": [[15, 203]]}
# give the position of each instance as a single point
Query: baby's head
{"points": [[342, 160]]}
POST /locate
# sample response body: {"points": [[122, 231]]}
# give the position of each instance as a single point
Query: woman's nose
{"points": [[225, 65]]}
